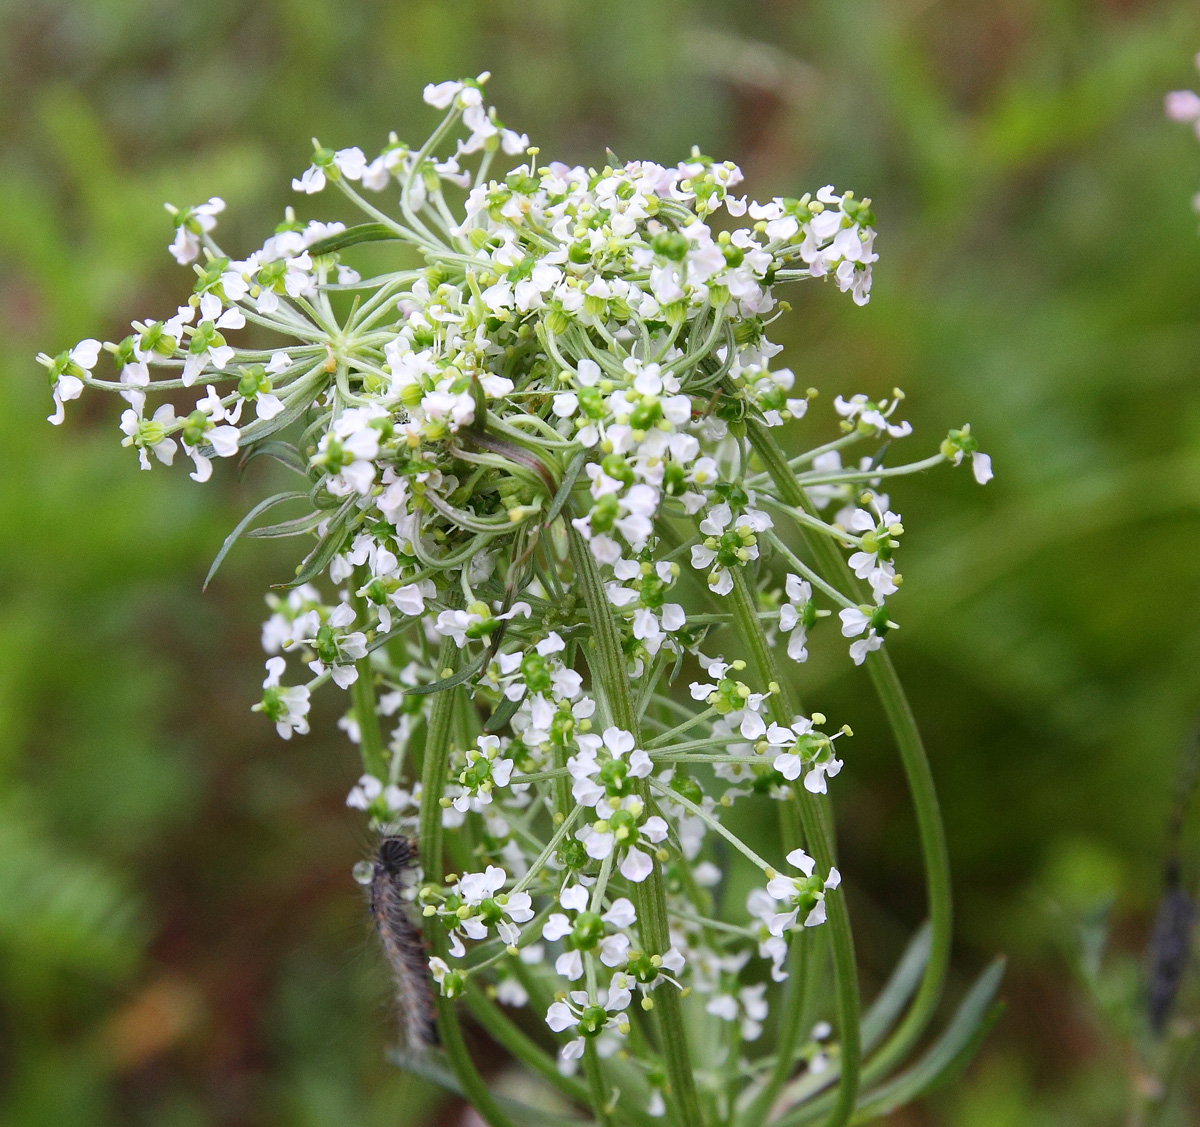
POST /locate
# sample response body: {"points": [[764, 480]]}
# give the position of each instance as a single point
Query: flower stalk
{"points": [[917, 772], [609, 674]]}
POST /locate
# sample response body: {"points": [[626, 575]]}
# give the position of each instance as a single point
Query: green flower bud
{"points": [[587, 932], [670, 244]]}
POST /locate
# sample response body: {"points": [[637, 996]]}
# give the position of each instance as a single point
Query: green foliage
{"points": [[1039, 274]]}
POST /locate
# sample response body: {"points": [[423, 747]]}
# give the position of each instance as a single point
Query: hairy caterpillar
{"points": [[402, 940]]}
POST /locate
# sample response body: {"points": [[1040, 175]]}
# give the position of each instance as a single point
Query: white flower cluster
{"points": [[561, 384]]}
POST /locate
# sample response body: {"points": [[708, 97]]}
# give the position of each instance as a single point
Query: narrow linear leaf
{"points": [[966, 1054], [331, 543], [966, 1030], [514, 453], [296, 527], [244, 523], [900, 987], [381, 640], [283, 452], [973, 1018], [568, 483], [464, 674], [360, 233], [876, 1022], [431, 1068], [428, 1066], [504, 712]]}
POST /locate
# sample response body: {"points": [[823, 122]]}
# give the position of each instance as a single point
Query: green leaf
{"points": [[296, 527], [361, 233], [244, 523], [515, 453], [331, 543], [570, 476], [899, 989], [470, 670], [952, 1050], [504, 712], [464, 674], [430, 1066], [283, 452]]}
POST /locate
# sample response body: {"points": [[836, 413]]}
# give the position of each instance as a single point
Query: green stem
{"points": [[508, 1036], [362, 695], [535, 869], [596, 1085], [433, 781], [437, 749], [667, 738], [818, 834], [937, 862], [714, 825], [607, 665], [916, 768], [792, 1023]]}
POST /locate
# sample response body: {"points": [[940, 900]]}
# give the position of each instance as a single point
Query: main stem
{"points": [[831, 563], [607, 664], [433, 781]]}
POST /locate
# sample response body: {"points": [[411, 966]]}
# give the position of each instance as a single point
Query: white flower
{"points": [[310, 181], [807, 894], [873, 561], [799, 746], [1183, 105], [486, 909], [960, 442], [578, 1011], [761, 905], [151, 435], [66, 372], [981, 467], [793, 615], [594, 752], [456, 623], [874, 417], [411, 597], [287, 707], [351, 162], [856, 620], [486, 769], [576, 345], [190, 226], [368, 789], [441, 94], [581, 926], [207, 345]]}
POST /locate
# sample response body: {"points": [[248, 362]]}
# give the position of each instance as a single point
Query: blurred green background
{"points": [[180, 940]]}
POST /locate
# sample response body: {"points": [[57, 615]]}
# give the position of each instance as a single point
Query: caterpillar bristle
{"points": [[402, 941]]}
